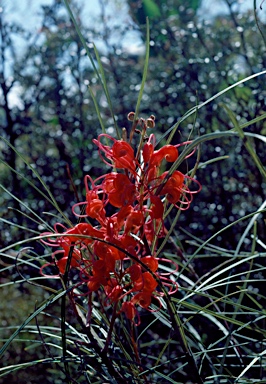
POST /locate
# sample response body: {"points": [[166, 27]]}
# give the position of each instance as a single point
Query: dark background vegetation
{"points": [[192, 58], [53, 120]]}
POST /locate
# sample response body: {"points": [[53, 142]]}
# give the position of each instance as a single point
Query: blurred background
{"points": [[198, 48]]}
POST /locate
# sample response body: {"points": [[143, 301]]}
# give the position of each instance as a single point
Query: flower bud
{"points": [[150, 123], [131, 116], [124, 134]]}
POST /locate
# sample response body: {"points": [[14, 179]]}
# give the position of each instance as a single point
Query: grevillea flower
{"points": [[151, 262], [73, 235], [62, 263], [168, 152], [153, 158], [121, 191], [173, 187], [130, 311], [115, 257], [157, 207], [95, 209], [134, 222], [123, 155]]}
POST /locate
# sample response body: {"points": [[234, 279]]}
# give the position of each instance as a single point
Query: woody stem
{"points": [[111, 327]]}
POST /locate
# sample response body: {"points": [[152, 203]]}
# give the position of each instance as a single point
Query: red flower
{"points": [[100, 274], [85, 229], [114, 256], [95, 209], [96, 282], [157, 208], [135, 272], [123, 156], [151, 262], [143, 299], [107, 253], [134, 222], [128, 243], [62, 263], [113, 293], [168, 152], [154, 158], [173, 187], [147, 152], [129, 309], [120, 190], [149, 282]]}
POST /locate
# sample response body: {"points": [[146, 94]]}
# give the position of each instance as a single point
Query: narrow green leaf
{"points": [[198, 107], [48, 302], [96, 106], [38, 177], [145, 71], [246, 142], [100, 75]]}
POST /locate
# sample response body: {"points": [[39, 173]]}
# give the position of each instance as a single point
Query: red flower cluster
{"points": [[117, 256]]}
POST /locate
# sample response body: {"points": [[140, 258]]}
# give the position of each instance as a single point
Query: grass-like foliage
{"points": [[109, 295]]}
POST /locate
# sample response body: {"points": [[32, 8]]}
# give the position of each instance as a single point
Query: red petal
{"points": [[169, 152]]}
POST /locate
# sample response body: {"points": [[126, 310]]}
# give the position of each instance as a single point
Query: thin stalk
{"points": [[100, 75], [246, 142], [111, 327], [145, 70]]}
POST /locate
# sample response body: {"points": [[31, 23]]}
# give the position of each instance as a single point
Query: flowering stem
{"points": [[176, 323], [103, 356], [111, 327], [63, 313], [136, 351], [143, 132]]}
